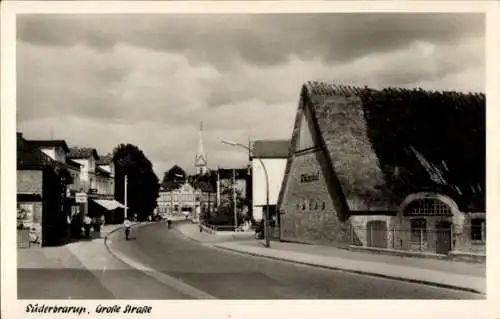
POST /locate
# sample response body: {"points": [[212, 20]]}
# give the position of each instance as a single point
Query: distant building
{"points": [[97, 181], [189, 198], [374, 177], [273, 154], [106, 183]]}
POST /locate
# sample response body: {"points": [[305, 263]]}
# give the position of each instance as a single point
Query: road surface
{"points": [[227, 275]]}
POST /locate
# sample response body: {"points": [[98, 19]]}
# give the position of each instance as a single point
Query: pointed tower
{"points": [[200, 161]]}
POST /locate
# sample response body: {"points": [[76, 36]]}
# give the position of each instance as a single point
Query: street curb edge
{"points": [[405, 279], [159, 276]]}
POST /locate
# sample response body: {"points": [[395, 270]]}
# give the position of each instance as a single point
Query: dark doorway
{"points": [[377, 234], [443, 237]]}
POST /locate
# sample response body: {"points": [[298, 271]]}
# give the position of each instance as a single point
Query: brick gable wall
{"points": [[314, 224]]}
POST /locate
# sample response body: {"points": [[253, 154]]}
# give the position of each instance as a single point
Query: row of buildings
{"points": [[50, 177]]}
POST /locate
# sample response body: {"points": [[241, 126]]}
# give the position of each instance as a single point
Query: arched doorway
{"points": [[430, 219], [377, 234]]}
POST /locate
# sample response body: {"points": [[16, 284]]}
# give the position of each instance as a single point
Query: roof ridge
{"points": [[333, 88]]}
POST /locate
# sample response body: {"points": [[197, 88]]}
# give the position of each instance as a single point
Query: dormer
{"points": [[86, 156]]}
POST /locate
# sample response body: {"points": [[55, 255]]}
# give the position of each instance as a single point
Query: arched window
{"points": [[323, 206], [316, 205], [428, 207], [303, 205]]}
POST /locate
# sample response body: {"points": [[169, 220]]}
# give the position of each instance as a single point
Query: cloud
{"points": [[101, 81], [262, 40]]}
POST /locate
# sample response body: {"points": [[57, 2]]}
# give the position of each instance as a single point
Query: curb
{"points": [[361, 272], [199, 242], [159, 276]]}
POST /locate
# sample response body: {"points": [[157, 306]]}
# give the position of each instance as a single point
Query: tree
{"points": [[225, 212], [174, 174], [142, 183]]}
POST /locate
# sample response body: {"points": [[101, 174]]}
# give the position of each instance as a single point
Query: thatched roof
{"points": [[384, 144]]}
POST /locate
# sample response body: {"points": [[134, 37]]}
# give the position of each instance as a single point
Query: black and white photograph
{"points": [[246, 156]]}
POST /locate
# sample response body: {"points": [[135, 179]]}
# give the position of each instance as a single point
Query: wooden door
{"points": [[443, 237], [377, 234]]}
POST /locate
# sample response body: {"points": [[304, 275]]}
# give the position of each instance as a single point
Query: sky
{"points": [[150, 79]]}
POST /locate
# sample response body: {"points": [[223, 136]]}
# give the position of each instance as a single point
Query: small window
{"points": [[323, 206], [478, 229]]}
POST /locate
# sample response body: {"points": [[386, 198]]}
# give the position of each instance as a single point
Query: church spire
{"points": [[201, 159]]}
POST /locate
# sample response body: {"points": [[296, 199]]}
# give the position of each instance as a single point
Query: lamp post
{"points": [[234, 201], [126, 204], [266, 223]]}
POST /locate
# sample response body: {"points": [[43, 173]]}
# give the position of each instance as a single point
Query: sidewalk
{"points": [[192, 231], [464, 276], [84, 270], [444, 273]]}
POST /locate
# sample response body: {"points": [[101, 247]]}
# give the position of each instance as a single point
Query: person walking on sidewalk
{"points": [[127, 225], [86, 225]]}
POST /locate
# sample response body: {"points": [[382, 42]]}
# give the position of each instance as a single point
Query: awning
{"points": [[28, 197], [109, 204]]}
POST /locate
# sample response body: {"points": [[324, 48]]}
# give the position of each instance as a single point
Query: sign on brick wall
{"points": [[309, 177]]}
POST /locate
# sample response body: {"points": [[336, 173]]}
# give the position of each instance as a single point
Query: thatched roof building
{"points": [[382, 145]]}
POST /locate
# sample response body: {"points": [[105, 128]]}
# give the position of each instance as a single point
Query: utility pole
{"points": [[234, 201], [266, 227], [218, 188], [126, 201]]}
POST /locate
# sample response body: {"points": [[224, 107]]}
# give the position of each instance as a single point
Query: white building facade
{"points": [[273, 154]]}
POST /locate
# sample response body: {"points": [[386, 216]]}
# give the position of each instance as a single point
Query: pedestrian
{"points": [[86, 225], [169, 220], [127, 225]]}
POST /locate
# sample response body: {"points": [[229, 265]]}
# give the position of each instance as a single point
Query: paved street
{"points": [[227, 275]]}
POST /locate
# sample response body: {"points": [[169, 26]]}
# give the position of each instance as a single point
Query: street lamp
{"points": [[126, 197], [266, 224]]}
